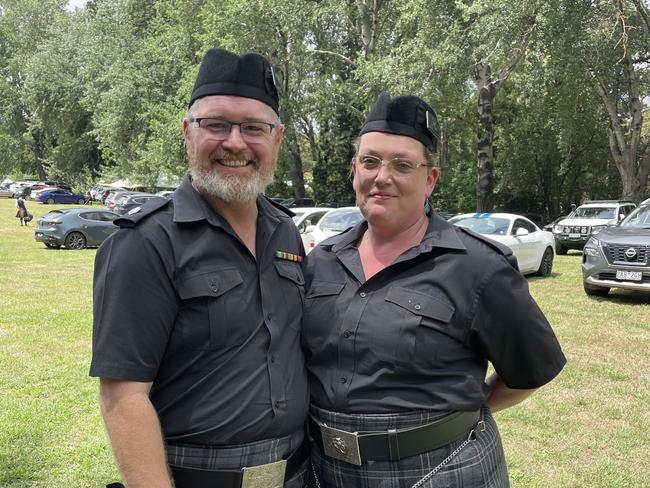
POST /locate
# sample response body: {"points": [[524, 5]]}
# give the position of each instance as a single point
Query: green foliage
{"points": [[102, 91]]}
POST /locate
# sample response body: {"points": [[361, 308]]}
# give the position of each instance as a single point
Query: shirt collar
{"points": [[439, 234]]}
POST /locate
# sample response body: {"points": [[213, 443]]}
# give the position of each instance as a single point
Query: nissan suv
{"points": [[588, 220], [619, 256]]}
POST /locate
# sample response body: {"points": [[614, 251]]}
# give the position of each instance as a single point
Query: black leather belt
{"points": [[391, 445], [264, 476]]}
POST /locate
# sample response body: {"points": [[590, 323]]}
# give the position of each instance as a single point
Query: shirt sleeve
{"points": [[509, 330], [134, 307]]}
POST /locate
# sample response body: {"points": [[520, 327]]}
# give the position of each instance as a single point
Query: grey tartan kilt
{"points": [[239, 456], [481, 463]]}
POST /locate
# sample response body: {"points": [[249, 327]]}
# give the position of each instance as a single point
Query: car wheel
{"points": [[81, 201], [52, 246], [595, 291], [560, 249], [75, 240], [546, 265], [50, 201]]}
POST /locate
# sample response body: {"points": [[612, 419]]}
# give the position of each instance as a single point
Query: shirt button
{"points": [[347, 334], [417, 306], [362, 294], [214, 288], [344, 379], [276, 404]]}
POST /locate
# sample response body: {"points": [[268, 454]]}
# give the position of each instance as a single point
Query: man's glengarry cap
{"points": [[225, 73], [407, 115]]}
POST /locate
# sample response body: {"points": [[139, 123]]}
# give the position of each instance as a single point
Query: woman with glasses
{"points": [[402, 314]]}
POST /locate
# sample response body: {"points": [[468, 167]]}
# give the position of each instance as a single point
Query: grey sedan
{"points": [[75, 228]]}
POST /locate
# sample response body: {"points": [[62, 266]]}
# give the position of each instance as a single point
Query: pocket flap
{"points": [[290, 271], [214, 283], [421, 304], [324, 288]]}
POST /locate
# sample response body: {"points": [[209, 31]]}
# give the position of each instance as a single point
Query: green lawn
{"points": [[589, 428]]}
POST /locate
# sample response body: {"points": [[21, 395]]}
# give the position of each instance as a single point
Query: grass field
{"points": [[588, 428]]}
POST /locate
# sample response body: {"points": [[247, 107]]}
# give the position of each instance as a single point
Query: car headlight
{"points": [[591, 247], [557, 229], [596, 229]]}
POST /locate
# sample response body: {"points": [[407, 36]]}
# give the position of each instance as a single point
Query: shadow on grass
{"points": [[20, 459]]}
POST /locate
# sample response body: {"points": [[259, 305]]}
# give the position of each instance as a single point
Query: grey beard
{"points": [[231, 189]]}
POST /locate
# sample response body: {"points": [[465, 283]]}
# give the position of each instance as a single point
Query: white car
{"points": [[333, 222], [533, 247], [306, 216]]}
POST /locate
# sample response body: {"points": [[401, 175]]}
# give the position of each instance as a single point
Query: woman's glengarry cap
{"points": [[224, 73], [406, 115]]}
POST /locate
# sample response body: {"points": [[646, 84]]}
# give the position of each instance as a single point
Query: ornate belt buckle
{"points": [[265, 476], [341, 445]]}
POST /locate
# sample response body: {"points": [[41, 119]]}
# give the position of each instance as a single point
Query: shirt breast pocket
{"points": [[424, 322], [320, 316], [210, 309], [292, 289]]}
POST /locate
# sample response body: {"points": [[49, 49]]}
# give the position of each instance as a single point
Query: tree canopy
{"points": [[541, 103]]}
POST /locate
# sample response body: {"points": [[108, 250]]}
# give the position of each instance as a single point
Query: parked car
{"points": [[333, 222], [75, 228], [125, 203], [59, 195], [165, 193], [619, 256], [6, 192], [532, 246], [114, 195], [298, 202], [306, 216], [587, 220]]}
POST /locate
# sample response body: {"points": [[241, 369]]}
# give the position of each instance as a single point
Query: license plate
{"points": [[574, 236], [628, 275]]}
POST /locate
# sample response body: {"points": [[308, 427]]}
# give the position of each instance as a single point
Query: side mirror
{"points": [[612, 223], [309, 229], [621, 216], [521, 232]]}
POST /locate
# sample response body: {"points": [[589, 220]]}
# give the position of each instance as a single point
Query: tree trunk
{"points": [[485, 133], [297, 176], [39, 153]]}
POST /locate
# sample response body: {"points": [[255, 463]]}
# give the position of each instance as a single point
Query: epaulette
{"points": [[497, 246], [278, 206], [135, 215]]}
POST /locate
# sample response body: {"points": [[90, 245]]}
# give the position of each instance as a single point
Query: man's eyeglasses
{"points": [[220, 128], [395, 166]]}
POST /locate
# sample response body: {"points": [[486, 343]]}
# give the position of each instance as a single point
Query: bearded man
{"points": [[198, 306]]}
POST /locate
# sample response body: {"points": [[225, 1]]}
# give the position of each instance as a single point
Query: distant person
{"points": [[198, 306], [21, 210], [402, 314]]}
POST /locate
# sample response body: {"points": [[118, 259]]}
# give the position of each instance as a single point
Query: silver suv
{"points": [[619, 256], [588, 219]]}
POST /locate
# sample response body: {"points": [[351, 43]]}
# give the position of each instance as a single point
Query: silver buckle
{"points": [[265, 476], [341, 445]]}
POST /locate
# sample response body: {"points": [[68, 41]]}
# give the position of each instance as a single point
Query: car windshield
{"points": [[296, 217], [640, 218], [339, 221], [594, 213], [483, 225]]}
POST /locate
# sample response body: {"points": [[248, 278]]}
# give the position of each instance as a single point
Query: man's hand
{"points": [[134, 432]]}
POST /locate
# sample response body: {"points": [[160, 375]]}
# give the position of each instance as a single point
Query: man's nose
{"points": [[234, 141]]}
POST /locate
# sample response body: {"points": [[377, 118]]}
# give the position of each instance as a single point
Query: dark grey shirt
{"points": [[419, 334], [180, 301]]}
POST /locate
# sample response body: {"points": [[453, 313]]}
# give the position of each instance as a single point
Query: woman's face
{"points": [[388, 198]]}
